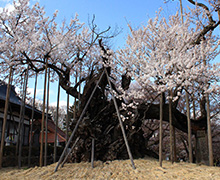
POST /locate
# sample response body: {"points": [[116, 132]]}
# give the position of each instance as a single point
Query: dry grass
{"points": [[145, 169]]}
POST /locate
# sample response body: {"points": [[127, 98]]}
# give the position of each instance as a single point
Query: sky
{"points": [[114, 13]]}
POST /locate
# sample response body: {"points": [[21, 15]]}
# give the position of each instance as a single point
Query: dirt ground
{"points": [[145, 169]]}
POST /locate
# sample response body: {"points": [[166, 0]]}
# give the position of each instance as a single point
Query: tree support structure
{"points": [[5, 115], [83, 113]]}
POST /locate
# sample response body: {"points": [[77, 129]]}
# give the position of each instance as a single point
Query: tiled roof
{"points": [[51, 133], [14, 98]]}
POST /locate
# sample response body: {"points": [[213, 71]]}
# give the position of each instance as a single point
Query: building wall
{"points": [[12, 127]]}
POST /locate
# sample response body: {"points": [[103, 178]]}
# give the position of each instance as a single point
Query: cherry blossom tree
{"points": [[163, 55], [29, 37], [170, 55]]}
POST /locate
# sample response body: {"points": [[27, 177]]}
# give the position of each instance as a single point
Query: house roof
{"points": [[16, 101], [13, 98], [51, 132]]}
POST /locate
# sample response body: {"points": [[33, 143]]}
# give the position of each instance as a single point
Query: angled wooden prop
{"points": [[77, 124], [69, 152], [120, 121]]}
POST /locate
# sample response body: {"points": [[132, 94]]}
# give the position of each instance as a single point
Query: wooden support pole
{"points": [[194, 117], [21, 135], [5, 115], [189, 128], [21, 110], [43, 117], [46, 122], [120, 121], [80, 75], [77, 124], [92, 153], [74, 113], [67, 117], [64, 161], [57, 118], [32, 121], [161, 131], [209, 130], [171, 127], [194, 109], [174, 144]]}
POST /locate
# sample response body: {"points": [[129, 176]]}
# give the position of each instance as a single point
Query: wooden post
{"points": [[209, 131], [5, 115], [21, 110], [121, 124], [171, 126], [74, 112], [32, 121], [43, 117], [189, 128], [46, 122], [161, 131], [57, 114], [22, 117], [77, 124], [194, 117], [80, 73], [67, 117], [174, 144], [92, 153], [194, 109]]}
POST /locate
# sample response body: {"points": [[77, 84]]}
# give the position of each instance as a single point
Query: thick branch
{"points": [[179, 119], [205, 8], [210, 27]]}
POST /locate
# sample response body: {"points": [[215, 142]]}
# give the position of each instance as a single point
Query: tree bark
{"points": [[151, 111]]}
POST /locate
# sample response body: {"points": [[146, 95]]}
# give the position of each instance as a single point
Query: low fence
{"points": [[10, 159]]}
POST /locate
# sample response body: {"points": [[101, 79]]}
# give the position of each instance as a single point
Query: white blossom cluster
{"points": [[28, 35], [163, 55]]}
